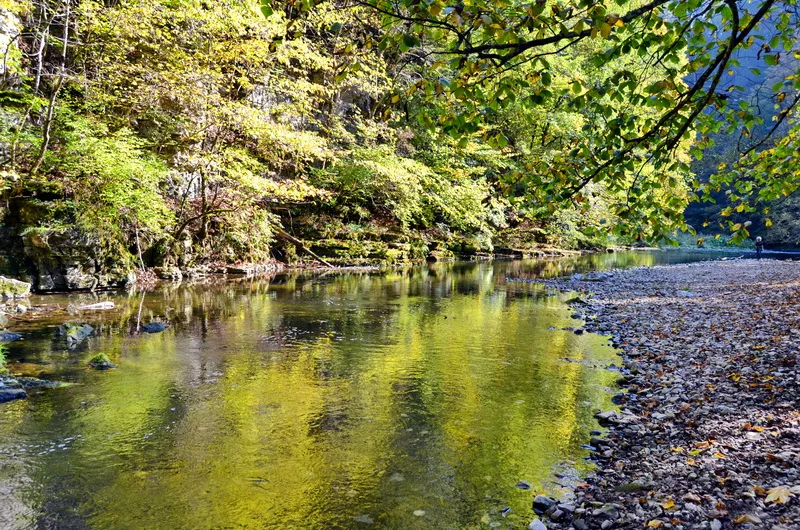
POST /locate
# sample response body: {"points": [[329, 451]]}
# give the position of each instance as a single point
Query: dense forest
{"points": [[185, 134]]}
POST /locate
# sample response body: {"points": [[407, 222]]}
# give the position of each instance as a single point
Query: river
{"points": [[413, 398]]}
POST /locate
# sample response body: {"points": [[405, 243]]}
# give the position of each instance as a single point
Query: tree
{"points": [[686, 54]]}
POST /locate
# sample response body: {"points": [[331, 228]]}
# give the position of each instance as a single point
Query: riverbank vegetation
{"points": [[183, 134]]}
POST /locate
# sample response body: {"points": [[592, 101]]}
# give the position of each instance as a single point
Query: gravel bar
{"points": [[708, 431]]}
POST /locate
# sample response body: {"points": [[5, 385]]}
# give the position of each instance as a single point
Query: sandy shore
{"points": [[708, 432]]}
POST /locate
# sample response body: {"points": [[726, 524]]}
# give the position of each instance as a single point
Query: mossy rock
{"points": [[10, 288], [101, 362]]}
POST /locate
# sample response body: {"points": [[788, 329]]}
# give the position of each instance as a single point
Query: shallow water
{"points": [[403, 399]]}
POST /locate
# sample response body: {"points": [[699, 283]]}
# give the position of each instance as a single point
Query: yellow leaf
{"points": [[768, 223], [655, 523], [668, 504], [779, 495], [719, 455]]}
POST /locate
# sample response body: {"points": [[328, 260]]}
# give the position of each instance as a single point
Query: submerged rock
{"points": [[154, 327], [74, 333], [523, 485], [9, 336], [30, 383], [11, 394]]}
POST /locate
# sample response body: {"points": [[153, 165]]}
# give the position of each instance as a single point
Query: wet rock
{"points": [[101, 362], [541, 504], [12, 394], [29, 383], [154, 327], [74, 333], [9, 336]]}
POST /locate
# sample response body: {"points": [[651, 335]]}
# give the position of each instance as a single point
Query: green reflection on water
{"points": [[342, 401]]}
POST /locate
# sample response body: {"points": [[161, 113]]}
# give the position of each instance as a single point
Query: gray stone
{"points": [[558, 515], [536, 524], [541, 504]]}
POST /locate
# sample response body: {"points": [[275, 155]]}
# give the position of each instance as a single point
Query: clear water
{"points": [[403, 399]]}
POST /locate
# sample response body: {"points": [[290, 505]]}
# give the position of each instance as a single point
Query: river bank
{"points": [[708, 430]]}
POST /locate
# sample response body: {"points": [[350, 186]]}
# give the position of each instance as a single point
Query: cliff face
{"points": [[10, 26]]}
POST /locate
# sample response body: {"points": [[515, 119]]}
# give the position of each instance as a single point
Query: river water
{"points": [[415, 398]]}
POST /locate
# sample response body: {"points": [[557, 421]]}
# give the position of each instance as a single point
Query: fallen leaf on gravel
{"points": [[747, 518], [779, 495], [668, 504], [691, 497], [718, 454], [655, 523]]}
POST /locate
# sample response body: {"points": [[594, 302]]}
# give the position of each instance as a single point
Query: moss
{"points": [[13, 288], [101, 362]]}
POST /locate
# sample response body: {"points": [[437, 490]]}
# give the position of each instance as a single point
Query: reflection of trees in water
{"points": [[279, 415]]}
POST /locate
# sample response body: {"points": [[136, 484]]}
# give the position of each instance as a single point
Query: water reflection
{"points": [[415, 398]]}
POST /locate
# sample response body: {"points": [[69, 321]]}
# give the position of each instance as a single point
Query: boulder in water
{"points": [[74, 333], [154, 327], [101, 362], [541, 504], [13, 289], [12, 394], [9, 336]]}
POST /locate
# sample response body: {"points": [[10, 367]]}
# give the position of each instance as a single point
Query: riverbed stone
{"points": [[536, 524], [542, 503]]}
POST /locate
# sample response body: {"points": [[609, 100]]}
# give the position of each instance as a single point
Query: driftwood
{"points": [[299, 244]]}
